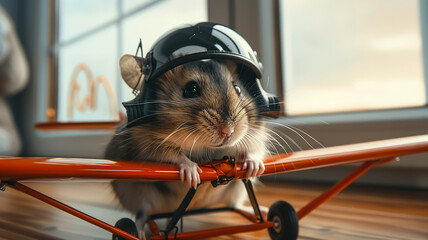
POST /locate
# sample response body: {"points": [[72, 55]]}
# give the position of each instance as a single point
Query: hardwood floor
{"points": [[356, 213]]}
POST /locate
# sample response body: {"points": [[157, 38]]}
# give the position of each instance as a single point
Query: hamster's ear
{"points": [[130, 69]]}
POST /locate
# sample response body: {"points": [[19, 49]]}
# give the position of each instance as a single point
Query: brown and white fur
{"points": [[220, 121]]}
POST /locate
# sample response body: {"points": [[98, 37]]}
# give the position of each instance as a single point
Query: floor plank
{"points": [[356, 213]]}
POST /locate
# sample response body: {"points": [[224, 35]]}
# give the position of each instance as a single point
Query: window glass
{"points": [[129, 5], [351, 55], [92, 37], [87, 71], [79, 16]]}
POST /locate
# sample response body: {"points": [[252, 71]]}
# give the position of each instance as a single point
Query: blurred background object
{"points": [[13, 78]]}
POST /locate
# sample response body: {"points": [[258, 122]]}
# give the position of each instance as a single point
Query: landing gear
{"points": [[282, 220], [286, 222], [126, 225]]}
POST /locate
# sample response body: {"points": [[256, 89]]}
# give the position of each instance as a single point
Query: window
{"points": [[352, 55], [258, 21], [93, 35]]}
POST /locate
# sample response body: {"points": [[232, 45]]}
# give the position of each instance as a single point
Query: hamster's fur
{"points": [[219, 120]]}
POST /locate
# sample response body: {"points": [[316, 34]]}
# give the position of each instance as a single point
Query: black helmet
{"points": [[191, 43]]}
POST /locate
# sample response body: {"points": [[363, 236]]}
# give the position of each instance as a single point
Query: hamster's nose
{"points": [[225, 130]]}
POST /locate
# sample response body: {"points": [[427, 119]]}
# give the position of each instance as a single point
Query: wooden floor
{"points": [[356, 213]]}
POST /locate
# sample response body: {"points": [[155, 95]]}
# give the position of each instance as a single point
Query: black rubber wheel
{"points": [[126, 225], [286, 227]]}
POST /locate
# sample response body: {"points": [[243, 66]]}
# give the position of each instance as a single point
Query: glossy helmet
{"points": [[198, 42]]}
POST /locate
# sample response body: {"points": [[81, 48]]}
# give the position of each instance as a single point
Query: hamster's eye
{"points": [[191, 90], [238, 89]]}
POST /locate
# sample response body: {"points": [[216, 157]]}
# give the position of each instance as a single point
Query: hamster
{"points": [[204, 113]]}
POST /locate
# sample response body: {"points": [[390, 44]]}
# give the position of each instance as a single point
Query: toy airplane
{"points": [[281, 220]]}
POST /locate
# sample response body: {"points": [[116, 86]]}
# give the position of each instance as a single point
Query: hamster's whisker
{"points": [[155, 113], [250, 114], [312, 118], [248, 102], [243, 111], [272, 147], [185, 139], [269, 138], [146, 116], [251, 108], [255, 141], [254, 109], [245, 143], [296, 132], [277, 150], [279, 136], [148, 102], [274, 139], [254, 137], [185, 131], [178, 129], [300, 130], [171, 112], [240, 145], [237, 105], [194, 142], [308, 135], [238, 118], [292, 141]]}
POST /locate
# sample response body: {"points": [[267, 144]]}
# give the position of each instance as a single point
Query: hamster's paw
{"points": [[254, 167], [189, 171]]}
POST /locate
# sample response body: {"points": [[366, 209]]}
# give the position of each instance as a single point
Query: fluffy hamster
{"points": [[203, 113]]}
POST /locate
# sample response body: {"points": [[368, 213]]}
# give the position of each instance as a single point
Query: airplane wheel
{"points": [[126, 225], [283, 215]]}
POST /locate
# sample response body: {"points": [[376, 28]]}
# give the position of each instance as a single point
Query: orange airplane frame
{"points": [[13, 170]]}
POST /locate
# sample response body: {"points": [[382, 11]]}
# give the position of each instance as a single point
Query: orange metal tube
{"points": [[20, 168], [17, 168], [59, 205], [345, 154], [217, 232], [247, 215], [338, 187]]}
